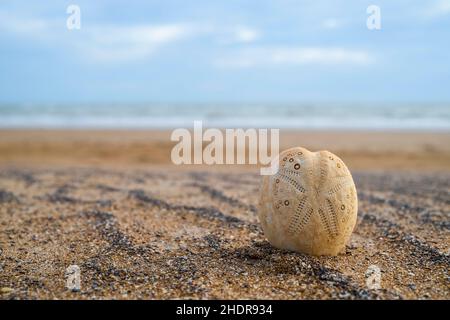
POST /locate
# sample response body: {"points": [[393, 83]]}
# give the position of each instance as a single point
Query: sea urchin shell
{"points": [[310, 205]]}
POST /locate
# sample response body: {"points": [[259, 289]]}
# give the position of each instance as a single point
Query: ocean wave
{"points": [[293, 116]]}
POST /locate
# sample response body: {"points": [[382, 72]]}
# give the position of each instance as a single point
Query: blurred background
{"points": [[314, 69], [284, 63]]}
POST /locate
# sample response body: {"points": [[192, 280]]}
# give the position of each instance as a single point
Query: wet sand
{"points": [[139, 227]]}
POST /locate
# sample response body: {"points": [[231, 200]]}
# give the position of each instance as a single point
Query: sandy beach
{"points": [[140, 227]]}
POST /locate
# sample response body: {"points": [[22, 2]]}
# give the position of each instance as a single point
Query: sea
{"points": [[301, 116]]}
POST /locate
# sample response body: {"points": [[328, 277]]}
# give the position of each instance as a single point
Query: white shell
{"points": [[310, 205]]}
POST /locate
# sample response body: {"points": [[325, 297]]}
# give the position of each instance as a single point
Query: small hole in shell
{"points": [[297, 166], [284, 159], [300, 153], [277, 181], [291, 160], [343, 207], [286, 202]]}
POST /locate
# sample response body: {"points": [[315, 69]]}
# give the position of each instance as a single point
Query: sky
{"points": [[224, 51]]}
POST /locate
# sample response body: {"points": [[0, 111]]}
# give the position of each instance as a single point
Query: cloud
{"points": [[277, 56], [331, 24], [437, 8], [246, 34], [25, 26], [121, 43], [237, 34], [98, 43]]}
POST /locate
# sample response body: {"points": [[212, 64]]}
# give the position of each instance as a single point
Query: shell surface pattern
{"points": [[310, 205]]}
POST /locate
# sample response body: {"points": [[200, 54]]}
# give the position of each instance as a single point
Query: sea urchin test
{"points": [[310, 205]]}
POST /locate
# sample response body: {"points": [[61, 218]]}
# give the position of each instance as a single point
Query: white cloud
{"points": [[98, 43], [120, 43], [276, 56], [331, 24], [246, 35], [438, 8], [237, 34], [144, 34], [25, 26], [127, 43]]}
